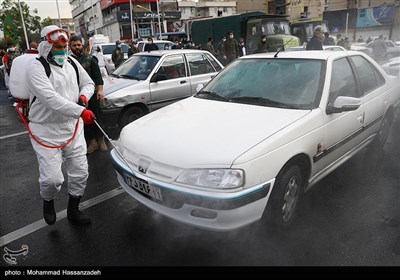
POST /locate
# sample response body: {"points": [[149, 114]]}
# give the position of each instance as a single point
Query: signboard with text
{"points": [[375, 16]]}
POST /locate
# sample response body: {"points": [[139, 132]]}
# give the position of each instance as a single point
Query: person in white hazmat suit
{"points": [[54, 113]]}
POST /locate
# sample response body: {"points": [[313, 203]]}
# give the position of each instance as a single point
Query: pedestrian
{"points": [[347, 44], [209, 46], [379, 49], [9, 57], [340, 40], [101, 61], [55, 120], [242, 47], [32, 48], [263, 46], [315, 43], [177, 45], [117, 55], [360, 39], [231, 48], [2, 80], [328, 41], [166, 46], [221, 50], [133, 48], [150, 46], [93, 135]]}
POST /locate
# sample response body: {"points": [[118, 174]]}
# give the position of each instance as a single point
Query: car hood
{"points": [[112, 84], [198, 133]]}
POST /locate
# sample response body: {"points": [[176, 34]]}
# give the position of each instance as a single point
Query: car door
{"points": [[200, 69], [174, 87], [341, 129], [373, 93]]}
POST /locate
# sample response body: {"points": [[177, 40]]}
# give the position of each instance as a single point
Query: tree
{"points": [[32, 22]]}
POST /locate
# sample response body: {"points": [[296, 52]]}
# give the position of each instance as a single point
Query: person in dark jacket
{"points": [[150, 46], [93, 135], [315, 43], [263, 46], [117, 55]]}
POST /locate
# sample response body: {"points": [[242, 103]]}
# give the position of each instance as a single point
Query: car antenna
{"points": [[276, 55]]}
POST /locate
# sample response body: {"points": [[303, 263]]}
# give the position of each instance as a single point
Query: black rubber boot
{"points": [[49, 213], [74, 215]]}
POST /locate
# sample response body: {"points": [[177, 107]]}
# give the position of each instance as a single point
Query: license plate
{"points": [[143, 187]]}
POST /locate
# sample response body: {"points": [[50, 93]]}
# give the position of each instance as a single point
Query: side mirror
{"points": [[158, 77], [199, 87], [343, 104]]}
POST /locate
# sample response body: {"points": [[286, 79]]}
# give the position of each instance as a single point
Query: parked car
{"points": [[264, 130], [392, 50], [150, 80], [160, 44], [392, 67], [107, 50]]}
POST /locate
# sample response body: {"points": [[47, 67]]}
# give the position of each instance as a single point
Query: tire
{"points": [[283, 204], [131, 114], [383, 132]]}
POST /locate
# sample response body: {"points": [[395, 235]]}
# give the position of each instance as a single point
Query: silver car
{"points": [[150, 80]]}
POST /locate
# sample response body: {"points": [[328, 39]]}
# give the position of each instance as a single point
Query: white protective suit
{"points": [[53, 116]]}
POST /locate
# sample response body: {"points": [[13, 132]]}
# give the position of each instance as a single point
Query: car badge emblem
{"points": [[143, 165]]}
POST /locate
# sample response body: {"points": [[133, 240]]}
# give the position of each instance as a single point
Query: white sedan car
{"points": [[263, 131]]}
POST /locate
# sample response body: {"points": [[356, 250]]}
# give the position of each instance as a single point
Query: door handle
{"points": [[183, 82]]}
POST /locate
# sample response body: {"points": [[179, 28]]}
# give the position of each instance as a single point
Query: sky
{"points": [[48, 8]]}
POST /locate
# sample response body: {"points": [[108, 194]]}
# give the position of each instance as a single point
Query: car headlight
{"points": [[212, 178]]}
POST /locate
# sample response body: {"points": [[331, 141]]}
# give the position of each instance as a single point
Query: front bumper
{"points": [[215, 210], [111, 117]]}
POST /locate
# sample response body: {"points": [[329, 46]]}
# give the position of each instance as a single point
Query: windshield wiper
{"points": [[209, 95], [261, 101], [129, 77]]}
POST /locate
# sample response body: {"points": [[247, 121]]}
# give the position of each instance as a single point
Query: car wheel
{"points": [[383, 132], [131, 114], [283, 203]]}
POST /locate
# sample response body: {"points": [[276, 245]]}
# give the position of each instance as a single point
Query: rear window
{"points": [[108, 49]]}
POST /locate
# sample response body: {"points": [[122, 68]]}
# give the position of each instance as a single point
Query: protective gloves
{"points": [[88, 116], [83, 101]]}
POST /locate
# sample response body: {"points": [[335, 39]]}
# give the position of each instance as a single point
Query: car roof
{"points": [[163, 52], [304, 54]]}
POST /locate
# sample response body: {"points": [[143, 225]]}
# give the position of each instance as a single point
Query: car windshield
{"points": [[138, 67], [108, 49], [282, 83]]}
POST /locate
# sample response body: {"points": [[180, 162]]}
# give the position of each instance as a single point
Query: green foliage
{"points": [[32, 22]]}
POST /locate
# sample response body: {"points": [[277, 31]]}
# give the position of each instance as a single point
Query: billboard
{"points": [[376, 16]]}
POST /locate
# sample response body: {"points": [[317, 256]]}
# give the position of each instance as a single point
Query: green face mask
{"points": [[59, 56]]}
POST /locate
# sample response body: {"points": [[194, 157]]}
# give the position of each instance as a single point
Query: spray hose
{"points": [[20, 106]]}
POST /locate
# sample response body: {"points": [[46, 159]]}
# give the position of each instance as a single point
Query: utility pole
{"points": [[94, 19], [58, 11], [132, 25], [23, 25], [159, 23]]}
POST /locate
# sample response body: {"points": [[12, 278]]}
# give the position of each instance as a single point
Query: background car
{"points": [[392, 50], [160, 44], [107, 50], [392, 67], [150, 80], [266, 129]]}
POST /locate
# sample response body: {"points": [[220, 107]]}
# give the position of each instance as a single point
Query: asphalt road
{"points": [[351, 218]]}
